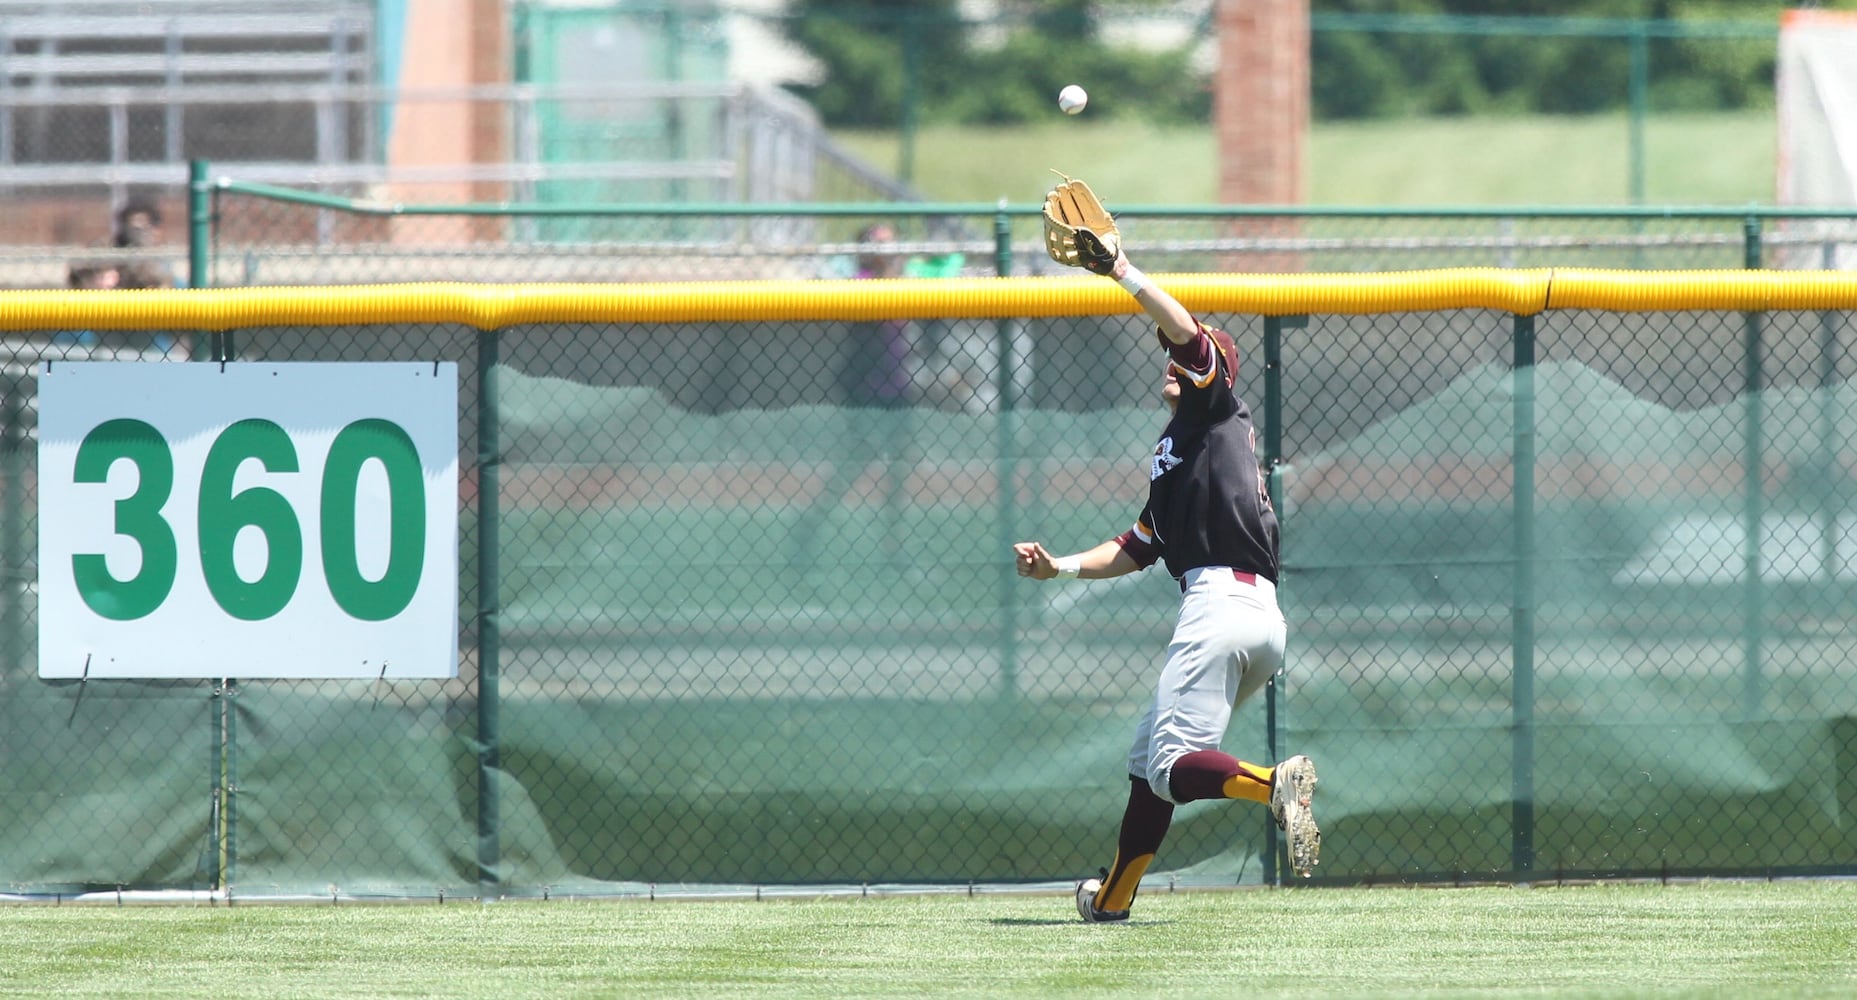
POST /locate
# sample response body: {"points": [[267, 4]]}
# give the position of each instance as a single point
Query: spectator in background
{"points": [[875, 385], [874, 369], [92, 276], [138, 227], [952, 374]]}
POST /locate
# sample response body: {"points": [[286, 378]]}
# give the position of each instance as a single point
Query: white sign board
{"points": [[248, 520]]}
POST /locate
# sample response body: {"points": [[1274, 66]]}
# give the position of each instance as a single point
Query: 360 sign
{"points": [[294, 520], [224, 513]]}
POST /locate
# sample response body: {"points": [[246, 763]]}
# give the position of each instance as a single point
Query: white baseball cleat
{"points": [[1086, 903], [1292, 787]]}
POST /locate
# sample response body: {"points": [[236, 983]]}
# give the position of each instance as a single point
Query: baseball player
{"points": [[1209, 517]]}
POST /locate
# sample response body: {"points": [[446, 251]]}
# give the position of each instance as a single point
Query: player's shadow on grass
{"points": [[1061, 922]]}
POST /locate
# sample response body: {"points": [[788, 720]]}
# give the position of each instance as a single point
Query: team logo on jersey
{"points": [[1164, 459]]}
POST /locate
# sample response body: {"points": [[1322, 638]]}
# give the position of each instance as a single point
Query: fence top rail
{"points": [[61, 28], [1510, 25], [331, 91], [365, 206], [194, 65], [491, 307]]}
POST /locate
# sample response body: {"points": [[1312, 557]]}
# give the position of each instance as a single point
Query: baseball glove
{"points": [[1079, 231]]}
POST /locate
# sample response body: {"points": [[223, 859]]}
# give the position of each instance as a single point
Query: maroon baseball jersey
{"points": [[1207, 502]]}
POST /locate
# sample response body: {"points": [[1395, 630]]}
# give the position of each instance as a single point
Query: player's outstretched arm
{"points": [[1100, 563], [1080, 232], [1176, 323]]}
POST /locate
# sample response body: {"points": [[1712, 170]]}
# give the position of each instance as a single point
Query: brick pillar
{"points": [[492, 62], [1260, 100], [448, 54], [1260, 110]]}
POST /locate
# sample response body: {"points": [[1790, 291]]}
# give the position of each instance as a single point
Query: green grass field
{"points": [[1711, 939], [1689, 159]]}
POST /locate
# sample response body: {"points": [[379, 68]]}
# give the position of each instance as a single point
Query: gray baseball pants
{"points": [[1227, 643]]}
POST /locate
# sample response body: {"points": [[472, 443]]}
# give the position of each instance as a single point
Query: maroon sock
{"points": [[1201, 775], [1144, 826], [1144, 821]]}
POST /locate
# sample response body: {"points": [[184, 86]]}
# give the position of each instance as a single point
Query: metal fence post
{"points": [[1271, 460], [199, 243], [1829, 477], [909, 25], [489, 607], [1753, 500], [216, 772], [229, 815], [1006, 465], [199, 239], [12, 524], [223, 812], [1638, 90], [1522, 697], [199, 223]]}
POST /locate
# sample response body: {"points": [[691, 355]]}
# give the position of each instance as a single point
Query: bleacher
{"points": [[80, 44], [122, 83], [101, 100]]}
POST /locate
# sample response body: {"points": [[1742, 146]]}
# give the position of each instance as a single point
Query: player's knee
{"points": [[1161, 781]]}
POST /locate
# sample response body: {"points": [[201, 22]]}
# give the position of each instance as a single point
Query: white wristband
{"points": [[1132, 280], [1068, 566]]}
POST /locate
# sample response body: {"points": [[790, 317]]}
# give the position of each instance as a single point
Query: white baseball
{"points": [[1072, 99]]}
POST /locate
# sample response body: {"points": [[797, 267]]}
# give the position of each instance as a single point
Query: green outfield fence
{"points": [[1568, 550]]}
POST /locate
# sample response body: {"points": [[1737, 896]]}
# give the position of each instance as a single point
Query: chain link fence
{"points": [[262, 235], [1568, 590]]}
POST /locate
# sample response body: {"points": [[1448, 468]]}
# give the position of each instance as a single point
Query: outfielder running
{"points": [[1209, 517]]}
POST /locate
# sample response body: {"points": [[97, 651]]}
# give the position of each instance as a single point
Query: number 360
{"points": [[223, 514]]}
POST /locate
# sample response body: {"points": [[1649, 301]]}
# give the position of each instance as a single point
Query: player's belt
{"points": [[1191, 575]]}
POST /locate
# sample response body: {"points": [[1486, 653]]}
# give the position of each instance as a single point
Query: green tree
{"points": [[880, 56], [1434, 61], [1025, 73], [1050, 43], [872, 51]]}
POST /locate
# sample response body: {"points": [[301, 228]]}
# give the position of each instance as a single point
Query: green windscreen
{"points": [[746, 632]]}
